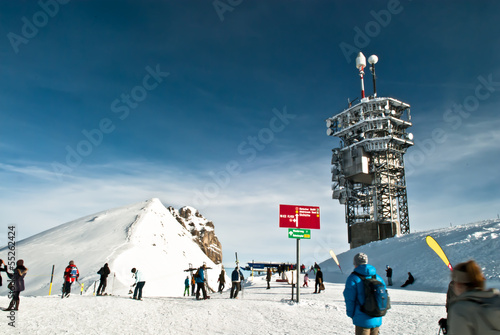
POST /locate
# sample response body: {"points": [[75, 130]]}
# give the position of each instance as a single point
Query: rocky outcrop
{"points": [[202, 231]]}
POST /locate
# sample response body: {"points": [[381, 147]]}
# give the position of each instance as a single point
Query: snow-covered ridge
{"points": [[409, 253]]}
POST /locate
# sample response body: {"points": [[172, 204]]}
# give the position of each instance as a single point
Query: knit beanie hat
{"points": [[360, 258]]}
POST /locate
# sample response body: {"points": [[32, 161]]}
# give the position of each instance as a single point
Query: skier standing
{"points": [[71, 274], [354, 296], [18, 285], [200, 282], [139, 284], [268, 278], [186, 286], [222, 280], [236, 278], [319, 280], [104, 272], [388, 271]]}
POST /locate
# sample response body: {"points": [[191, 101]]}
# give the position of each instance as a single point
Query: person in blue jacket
{"points": [[200, 283], [354, 297]]}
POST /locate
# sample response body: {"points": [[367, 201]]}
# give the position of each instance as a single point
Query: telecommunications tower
{"points": [[368, 171]]}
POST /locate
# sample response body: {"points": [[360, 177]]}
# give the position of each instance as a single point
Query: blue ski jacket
{"points": [[354, 296], [201, 278]]}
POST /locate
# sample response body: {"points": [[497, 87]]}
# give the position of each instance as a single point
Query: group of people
{"points": [[16, 283], [200, 280], [71, 274], [472, 310]]}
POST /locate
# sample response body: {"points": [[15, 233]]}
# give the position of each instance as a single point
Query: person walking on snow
{"points": [[306, 280], [222, 280], [388, 271], [17, 285], [186, 286], [139, 284], [104, 272], [236, 278], [71, 274], [268, 278], [319, 280], [354, 296], [200, 283]]}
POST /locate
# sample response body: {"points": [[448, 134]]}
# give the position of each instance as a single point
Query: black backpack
{"points": [[377, 300]]}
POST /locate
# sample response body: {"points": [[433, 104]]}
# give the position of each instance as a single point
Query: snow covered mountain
{"points": [[145, 235], [409, 253]]}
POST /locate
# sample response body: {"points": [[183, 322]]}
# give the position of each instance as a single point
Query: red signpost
{"points": [[300, 217], [306, 217]]}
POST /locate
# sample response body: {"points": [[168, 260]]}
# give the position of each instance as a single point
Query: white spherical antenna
{"points": [[373, 59]]}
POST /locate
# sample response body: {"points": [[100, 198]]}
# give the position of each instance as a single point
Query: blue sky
{"points": [[221, 105]]}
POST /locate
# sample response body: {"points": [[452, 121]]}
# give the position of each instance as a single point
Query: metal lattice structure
{"points": [[368, 172]]}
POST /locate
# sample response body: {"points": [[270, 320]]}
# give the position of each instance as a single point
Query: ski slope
{"points": [[256, 311]]}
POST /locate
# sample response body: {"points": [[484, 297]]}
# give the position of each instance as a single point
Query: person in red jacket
{"points": [[71, 274]]}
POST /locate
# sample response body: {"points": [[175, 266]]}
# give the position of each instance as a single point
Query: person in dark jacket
{"points": [[268, 278], [319, 280], [354, 296], [222, 280], [71, 274], [388, 271], [236, 278], [409, 281], [18, 285], [200, 283], [3, 268], [104, 272]]}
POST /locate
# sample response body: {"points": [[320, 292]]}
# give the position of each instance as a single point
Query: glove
{"points": [[443, 323]]}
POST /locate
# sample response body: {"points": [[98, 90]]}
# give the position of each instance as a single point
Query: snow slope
{"points": [[479, 241], [143, 235], [257, 311]]}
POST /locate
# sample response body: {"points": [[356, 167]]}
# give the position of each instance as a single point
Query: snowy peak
{"points": [[144, 235]]}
